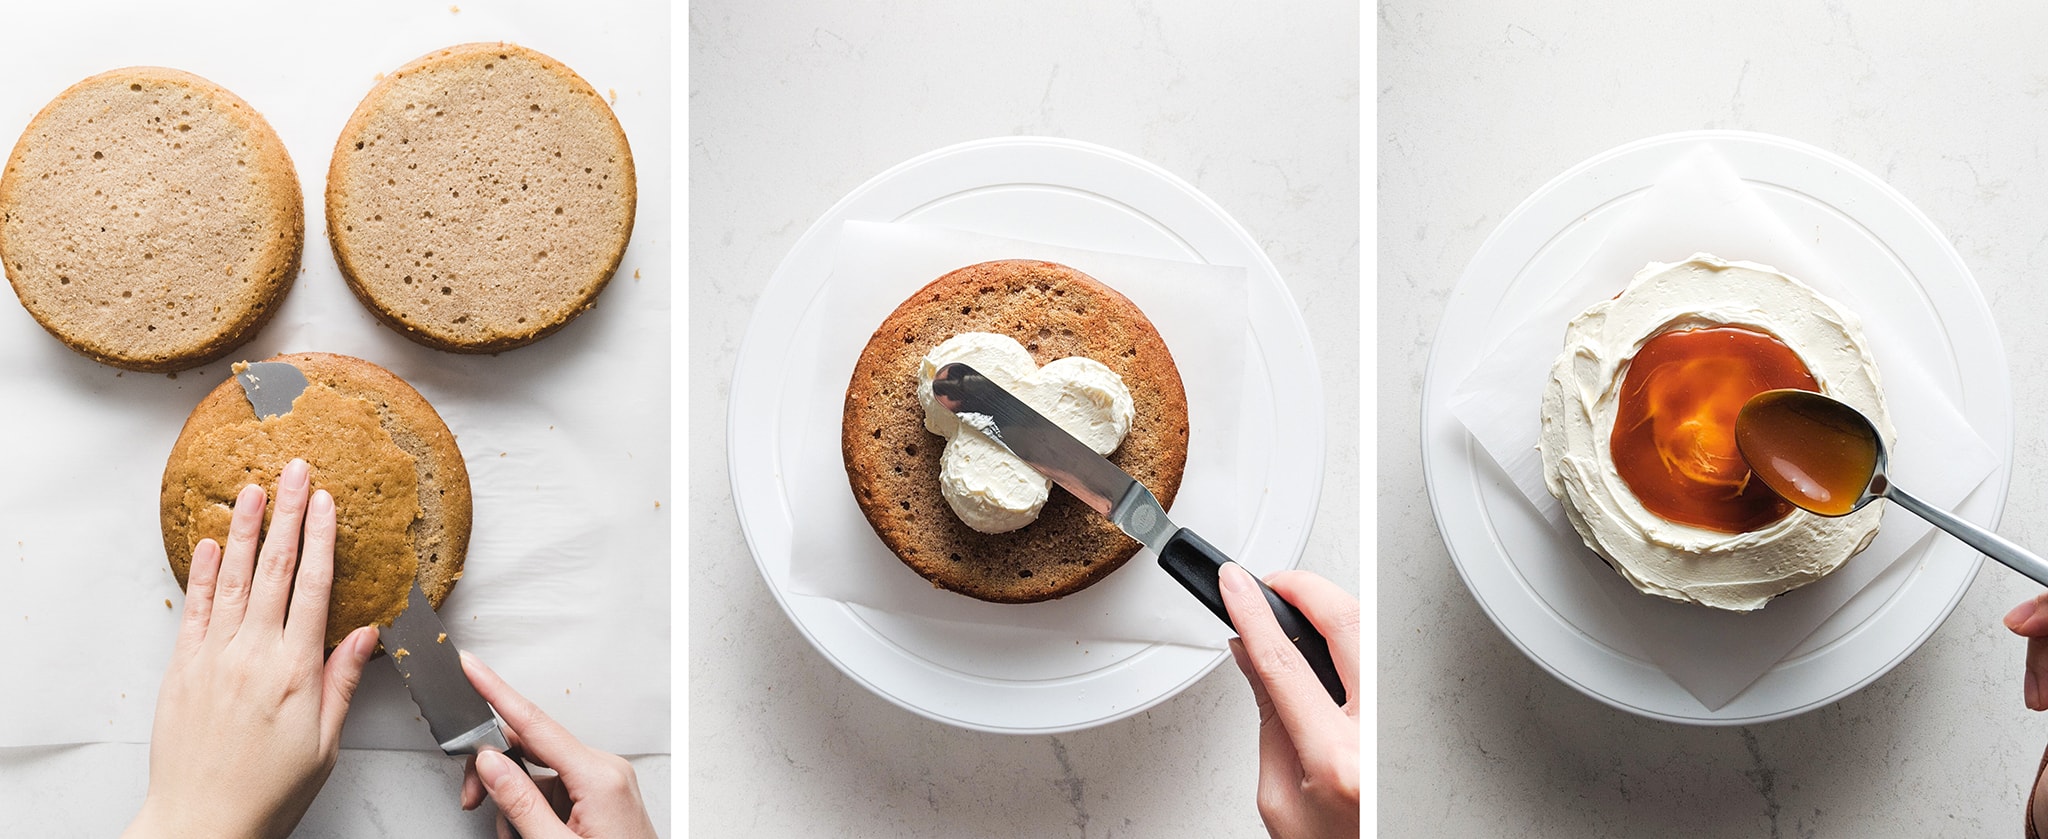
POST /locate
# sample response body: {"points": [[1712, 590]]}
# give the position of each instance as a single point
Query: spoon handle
{"points": [[1993, 545]]}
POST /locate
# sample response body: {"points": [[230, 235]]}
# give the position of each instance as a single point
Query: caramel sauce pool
{"points": [[1811, 454], [1674, 430]]}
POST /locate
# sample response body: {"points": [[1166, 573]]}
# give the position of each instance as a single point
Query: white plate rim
{"points": [[1914, 610], [835, 629]]}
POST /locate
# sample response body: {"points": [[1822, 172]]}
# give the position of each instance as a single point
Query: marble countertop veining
{"points": [[1482, 102], [793, 105]]}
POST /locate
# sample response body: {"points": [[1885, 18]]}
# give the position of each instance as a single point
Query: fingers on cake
{"points": [[401, 491], [478, 200], [957, 507], [1638, 440]]}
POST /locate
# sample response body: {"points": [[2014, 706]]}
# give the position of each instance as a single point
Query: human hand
{"points": [[248, 720], [2030, 620], [1308, 746], [592, 794]]}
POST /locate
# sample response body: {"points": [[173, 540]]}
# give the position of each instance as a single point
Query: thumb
{"points": [[518, 799], [2029, 618], [344, 671]]}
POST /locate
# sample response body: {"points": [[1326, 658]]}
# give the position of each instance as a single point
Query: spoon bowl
{"points": [[1826, 457], [1815, 451]]}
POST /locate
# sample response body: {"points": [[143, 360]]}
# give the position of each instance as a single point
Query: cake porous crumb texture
{"points": [[480, 198], [150, 219], [401, 491], [892, 462]]}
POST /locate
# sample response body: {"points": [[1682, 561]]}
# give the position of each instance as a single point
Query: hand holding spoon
{"points": [[1826, 458]]}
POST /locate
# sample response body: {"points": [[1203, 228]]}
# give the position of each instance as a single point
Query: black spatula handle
{"points": [[1198, 566]]}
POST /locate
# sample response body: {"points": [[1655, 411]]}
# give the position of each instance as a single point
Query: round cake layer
{"points": [[893, 462], [480, 198], [401, 491], [150, 219]]}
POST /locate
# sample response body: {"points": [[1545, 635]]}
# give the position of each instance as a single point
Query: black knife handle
{"points": [[1198, 566]]}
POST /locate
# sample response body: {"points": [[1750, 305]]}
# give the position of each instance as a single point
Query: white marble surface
{"points": [[793, 105], [1481, 104], [94, 789]]}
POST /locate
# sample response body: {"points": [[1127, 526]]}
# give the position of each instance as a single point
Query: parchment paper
{"points": [[567, 441], [1702, 205], [1198, 310]]}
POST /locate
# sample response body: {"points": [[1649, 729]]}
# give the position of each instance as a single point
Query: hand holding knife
{"points": [[417, 643], [1190, 560]]}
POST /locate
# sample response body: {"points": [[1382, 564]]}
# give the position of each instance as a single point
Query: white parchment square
{"points": [[565, 590]]}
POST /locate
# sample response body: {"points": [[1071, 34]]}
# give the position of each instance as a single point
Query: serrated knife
{"points": [[1111, 491], [417, 644]]}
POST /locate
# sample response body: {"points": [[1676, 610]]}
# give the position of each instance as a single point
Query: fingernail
{"points": [[2019, 614], [1235, 578], [467, 659], [491, 767], [322, 502], [366, 642], [251, 494], [294, 474], [2033, 691]]}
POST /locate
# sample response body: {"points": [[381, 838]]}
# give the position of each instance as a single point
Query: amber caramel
{"points": [[1674, 430]]}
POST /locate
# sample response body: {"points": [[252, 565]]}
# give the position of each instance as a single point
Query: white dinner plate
{"points": [[1060, 192], [1493, 533]]}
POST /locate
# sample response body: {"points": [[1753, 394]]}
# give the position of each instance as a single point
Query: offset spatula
{"points": [[1112, 492], [461, 720]]}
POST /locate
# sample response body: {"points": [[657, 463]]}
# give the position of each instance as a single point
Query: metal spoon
{"points": [[1827, 458]]}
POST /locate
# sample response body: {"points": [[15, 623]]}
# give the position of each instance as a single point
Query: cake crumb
{"points": [[400, 653], [615, 94], [167, 603], [173, 376], [636, 273], [565, 691], [657, 505], [502, 454], [441, 638], [454, 10]]}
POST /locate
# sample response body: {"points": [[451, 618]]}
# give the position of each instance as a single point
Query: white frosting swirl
{"points": [[990, 489], [1736, 571]]}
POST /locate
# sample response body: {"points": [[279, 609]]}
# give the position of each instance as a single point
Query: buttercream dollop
{"points": [[989, 488]]}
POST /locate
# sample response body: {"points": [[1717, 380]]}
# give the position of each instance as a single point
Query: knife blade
{"points": [[462, 722], [271, 386], [1109, 490]]}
